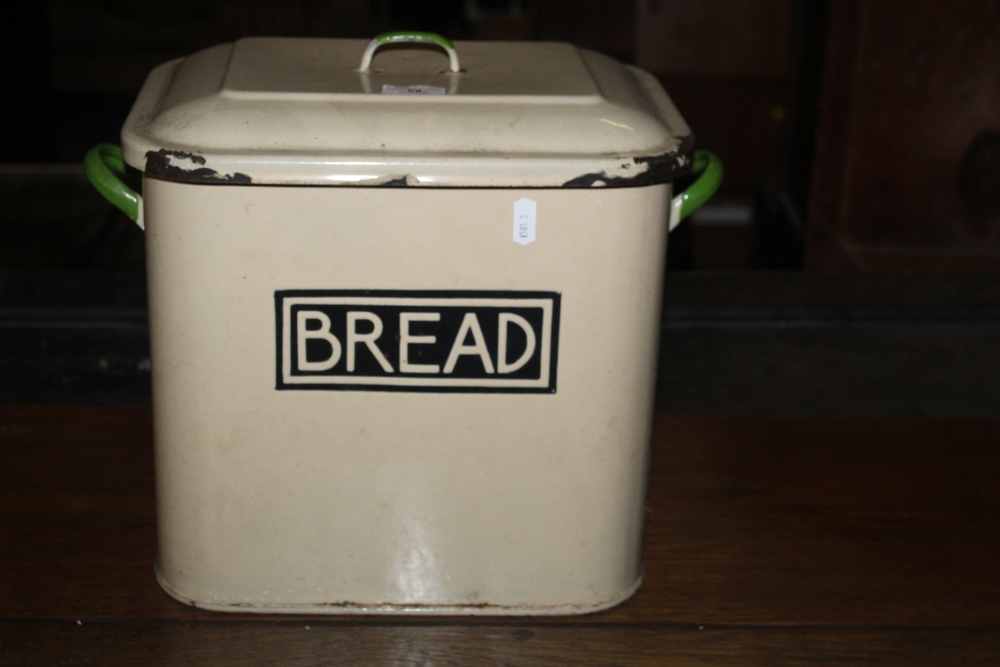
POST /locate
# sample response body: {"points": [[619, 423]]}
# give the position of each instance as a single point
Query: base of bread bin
{"points": [[482, 609]]}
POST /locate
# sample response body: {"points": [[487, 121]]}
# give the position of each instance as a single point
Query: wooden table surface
{"points": [[769, 541]]}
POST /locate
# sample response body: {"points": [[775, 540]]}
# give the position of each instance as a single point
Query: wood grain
{"points": [[800, 539], [908, 87], [111, 645], [715, 37]]}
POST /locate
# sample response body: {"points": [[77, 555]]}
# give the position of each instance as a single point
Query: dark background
{"points": [[847, 266]]}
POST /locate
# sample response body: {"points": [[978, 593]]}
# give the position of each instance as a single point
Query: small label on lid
{"points": [[417, 89]]}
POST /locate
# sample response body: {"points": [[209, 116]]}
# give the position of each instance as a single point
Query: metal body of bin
{"points": [[404, 323]]}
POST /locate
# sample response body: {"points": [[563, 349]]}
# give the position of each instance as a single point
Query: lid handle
{"points": [[408, 36]]}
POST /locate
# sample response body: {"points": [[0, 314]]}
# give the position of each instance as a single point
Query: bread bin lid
{"points": [[291, 111]]}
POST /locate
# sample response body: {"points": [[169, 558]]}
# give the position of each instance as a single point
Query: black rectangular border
{"points": [[281, 295]]}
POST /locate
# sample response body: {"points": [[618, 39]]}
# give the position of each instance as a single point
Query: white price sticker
{"points": [[524, 221]]}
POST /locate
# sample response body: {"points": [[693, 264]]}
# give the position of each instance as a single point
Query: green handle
{"points": [[709, 166], [409, 36], [105, 168]]}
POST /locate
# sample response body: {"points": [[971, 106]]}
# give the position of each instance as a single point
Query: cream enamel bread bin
{"points": [[404, 313]]}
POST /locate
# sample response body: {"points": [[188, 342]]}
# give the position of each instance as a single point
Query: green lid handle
{"points": [[685, 203], [105, 168], [408, 36]]}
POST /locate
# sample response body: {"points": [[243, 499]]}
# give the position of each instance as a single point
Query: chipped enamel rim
{"points": [[513, 172], [352, 608]]}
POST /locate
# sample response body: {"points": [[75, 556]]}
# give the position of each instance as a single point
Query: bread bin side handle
{"points": [[105, 169], [687, 202]]}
